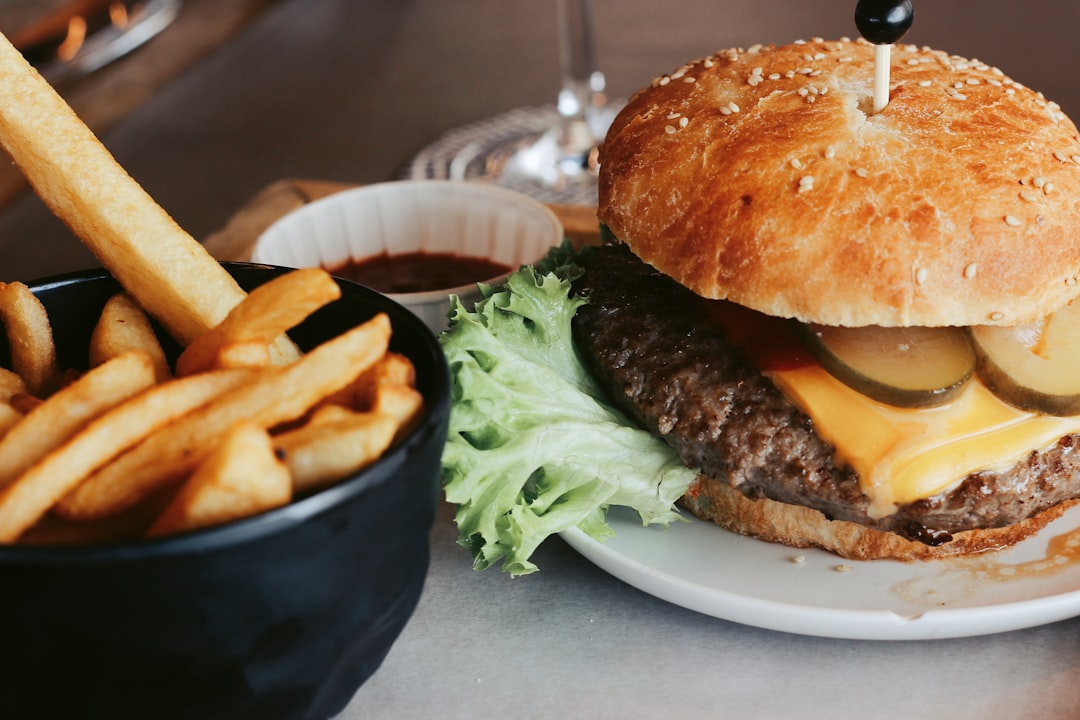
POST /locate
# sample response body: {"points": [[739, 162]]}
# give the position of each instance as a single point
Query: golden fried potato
{"points": [[34, 492], [55, 420], [123, 326], [266, 313], [169, 273], [30, 339], [10, 384], [278, 396], [392, 369], [242, 477], [330, 448], [9, 416]]}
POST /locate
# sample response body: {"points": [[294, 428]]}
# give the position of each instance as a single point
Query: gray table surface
{"points": [[349, 90]]}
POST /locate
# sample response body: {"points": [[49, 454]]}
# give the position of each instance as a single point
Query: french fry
{"points": [[56, 419], [24, 501], [267, 312], [392, 369], [279, 396], [24, 402], [9, 416], [400, 402], [254, 353], [240, 478], [123, 326], [169, 273], [329, 448], [30, 339], [10, 384]]}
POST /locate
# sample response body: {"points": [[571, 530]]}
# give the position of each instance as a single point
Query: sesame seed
{"points": [[997, 316], [798, 559], [1060, 156], [708, 63], [674, 116], [796, 163], [973, 81], [774, 76], [862, 172], [669, 129], [845, 59], [665, 80], [1075, 159], [1027, 196], [842, 568], [725, 110], [690, 79], [1038, 181], [683, 122], [920, 276], [803, 92], [970, 271], [1012, 221], [805, 70], [733, 107], [806, 182], [830, 152], [1048, 187], [925, 83]]}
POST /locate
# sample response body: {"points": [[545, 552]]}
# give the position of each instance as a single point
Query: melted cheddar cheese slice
{"points": [[903, 455]]}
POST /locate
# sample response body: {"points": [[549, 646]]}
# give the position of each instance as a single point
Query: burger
{"points": [[856, 329]]}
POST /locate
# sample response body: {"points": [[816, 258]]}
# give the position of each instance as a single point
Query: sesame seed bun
{"points": [[760, 176]]}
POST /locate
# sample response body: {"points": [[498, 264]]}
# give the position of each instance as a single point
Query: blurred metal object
{"points": [[549, 152], [81, 36]]}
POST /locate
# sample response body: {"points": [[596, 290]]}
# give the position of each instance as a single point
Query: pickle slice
{"points": [[1035, 366], [902, 366]]}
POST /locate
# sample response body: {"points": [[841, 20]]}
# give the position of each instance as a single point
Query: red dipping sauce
{"points": [[418, 271]]}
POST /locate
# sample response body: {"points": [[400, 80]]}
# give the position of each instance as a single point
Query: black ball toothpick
{"points": [[883, 22]]}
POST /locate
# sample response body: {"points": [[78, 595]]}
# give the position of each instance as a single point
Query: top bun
{"points": [[761, 176]]}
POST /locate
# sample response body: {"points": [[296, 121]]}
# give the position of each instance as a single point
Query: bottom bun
{"points": [[802, 527]]}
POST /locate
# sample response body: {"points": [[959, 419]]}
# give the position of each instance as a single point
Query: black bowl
{"points": [[283, 615]]}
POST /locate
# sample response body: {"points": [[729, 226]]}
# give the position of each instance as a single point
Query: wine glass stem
{"points": [[581, 96]]}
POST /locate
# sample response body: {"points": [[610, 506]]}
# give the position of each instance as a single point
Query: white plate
{"points": [[702, 567]]}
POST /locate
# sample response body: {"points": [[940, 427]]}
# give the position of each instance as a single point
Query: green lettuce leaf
{"points": [[534, 448]]}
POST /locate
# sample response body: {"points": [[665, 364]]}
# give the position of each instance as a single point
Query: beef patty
{"points": [[652, 347]]}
